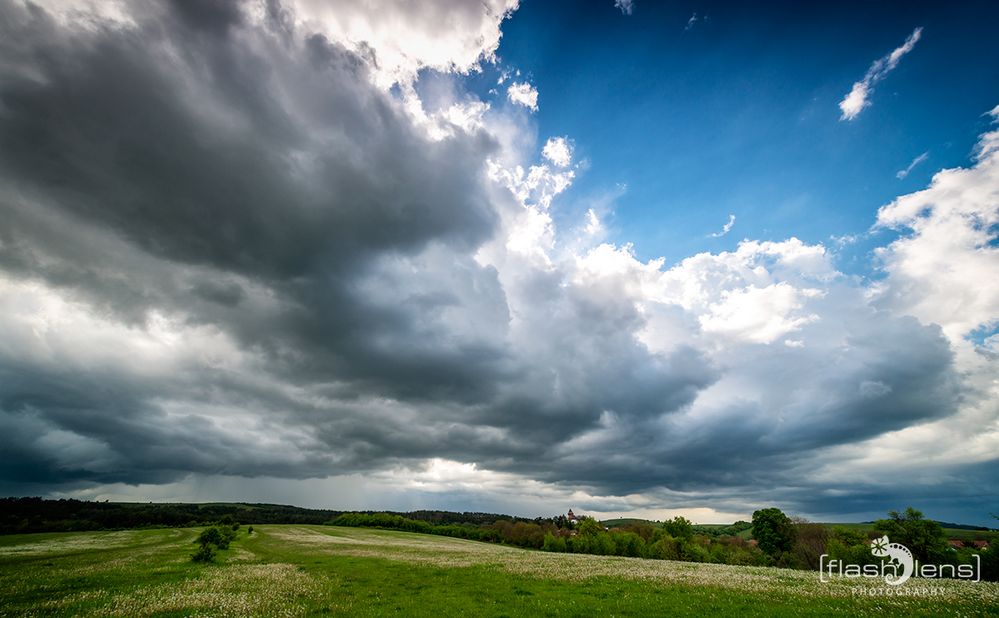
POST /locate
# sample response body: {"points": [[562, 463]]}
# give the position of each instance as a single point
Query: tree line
{"points": [[21, 515], [25, 515]]}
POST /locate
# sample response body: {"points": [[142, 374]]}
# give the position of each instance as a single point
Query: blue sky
{"points": [[400, 255], [738, 114]]}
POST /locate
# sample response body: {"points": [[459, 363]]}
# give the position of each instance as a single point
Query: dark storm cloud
{"points": [[212, 15], [960, 493], [189, 194], [176, 164], [219, 172], [891, 373], [250, 181], [109, 131]]}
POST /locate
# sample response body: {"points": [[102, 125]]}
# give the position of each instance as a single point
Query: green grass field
{"points": [[321, 570]]}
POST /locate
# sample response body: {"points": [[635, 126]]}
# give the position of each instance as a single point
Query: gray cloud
{"points": [[311, 257]]}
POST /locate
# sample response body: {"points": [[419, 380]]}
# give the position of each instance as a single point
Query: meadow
{"points": [[301, 570]]}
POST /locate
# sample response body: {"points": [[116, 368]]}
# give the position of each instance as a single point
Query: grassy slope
{"points": [[316, 570]]}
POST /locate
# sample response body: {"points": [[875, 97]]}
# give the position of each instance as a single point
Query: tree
{"points": [[211, 536], [590, 527], [642, 529], [774, 531], [924, 537], [990, 559], [210, 540], [666, 548], [850, 547], [692, 550], [553, 543], [205, 553], [810, 543], [679, 527], [629, 544]]}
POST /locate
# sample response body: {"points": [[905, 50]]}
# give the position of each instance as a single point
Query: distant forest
{"points": [[23, 515]]}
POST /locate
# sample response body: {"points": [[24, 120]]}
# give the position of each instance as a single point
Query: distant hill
{"points": [[964, 527], [963, 532], [22, 515], [628, 521], [945, 524]]}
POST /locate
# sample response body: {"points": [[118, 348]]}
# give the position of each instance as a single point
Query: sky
{"points": [[519, 257]]}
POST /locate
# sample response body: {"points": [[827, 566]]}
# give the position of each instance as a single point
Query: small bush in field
{"points": [[205, 553], [211, 540], [219, 537]]}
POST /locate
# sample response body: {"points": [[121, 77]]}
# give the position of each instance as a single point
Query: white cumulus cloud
{"points": [[944, 268], [558, 150], [523, 93], [446, 35]]}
